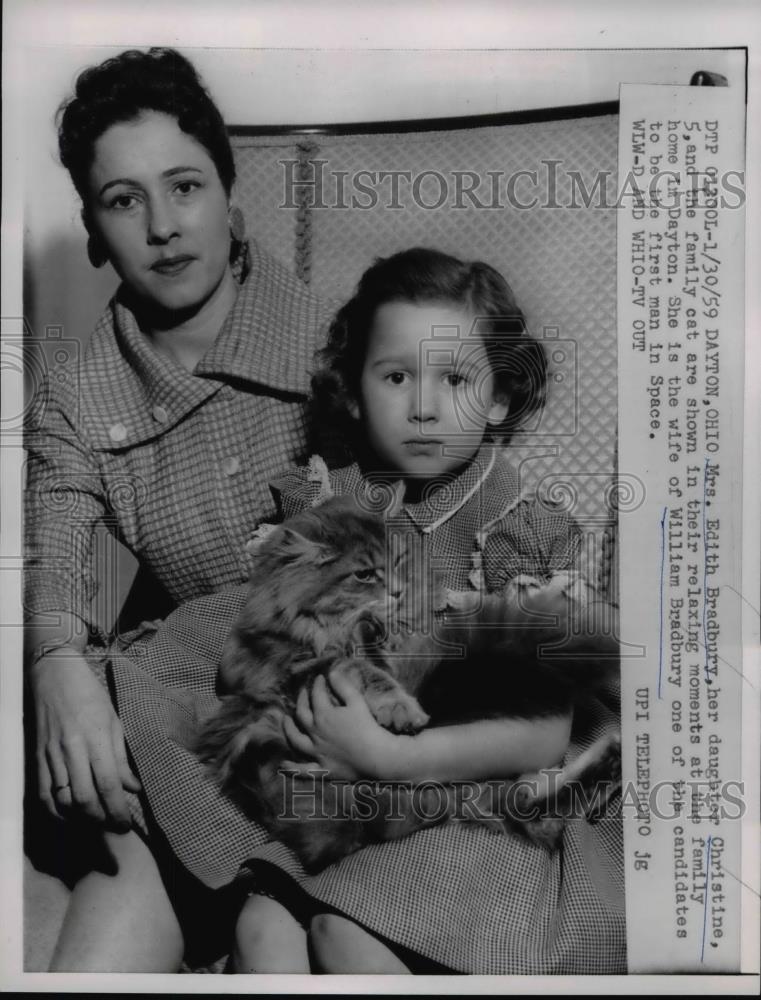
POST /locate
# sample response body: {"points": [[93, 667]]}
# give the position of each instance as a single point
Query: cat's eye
{"points": [[365, 575]]}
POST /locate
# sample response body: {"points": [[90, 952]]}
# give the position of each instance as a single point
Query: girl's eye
{"points": [[365, 575], [396, 378], [455, 379]]}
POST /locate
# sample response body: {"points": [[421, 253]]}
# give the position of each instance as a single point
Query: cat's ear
{"points": [[295, 547]]}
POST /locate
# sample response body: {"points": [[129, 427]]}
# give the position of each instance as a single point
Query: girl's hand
{"points": [[81, 755], [336, 729]]}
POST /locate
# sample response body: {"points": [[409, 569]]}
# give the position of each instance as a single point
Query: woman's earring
{"points": [[237, 224], [239, 251], [95, 253]]}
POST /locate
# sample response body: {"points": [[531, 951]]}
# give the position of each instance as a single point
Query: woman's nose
{"points": [[162, 223]]}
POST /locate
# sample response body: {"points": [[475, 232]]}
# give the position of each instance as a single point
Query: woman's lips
{"points": [[170, 266]]}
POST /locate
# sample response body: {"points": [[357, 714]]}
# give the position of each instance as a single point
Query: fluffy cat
{"points": [[326, 596]]}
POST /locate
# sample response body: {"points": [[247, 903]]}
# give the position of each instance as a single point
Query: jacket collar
{"points": [[488, 484], [269, 338]]}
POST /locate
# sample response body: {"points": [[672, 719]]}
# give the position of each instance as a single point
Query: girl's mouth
{"points": [[423, 446], [170, 266]]}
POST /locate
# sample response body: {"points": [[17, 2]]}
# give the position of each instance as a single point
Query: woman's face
{"points": [[157, 205]]}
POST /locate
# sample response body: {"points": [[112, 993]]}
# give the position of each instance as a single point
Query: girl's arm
{"points": [[494, 748], [346, 740]]}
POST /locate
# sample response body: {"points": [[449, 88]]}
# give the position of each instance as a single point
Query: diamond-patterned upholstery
{"points": [[258, 187], [560, 261]]}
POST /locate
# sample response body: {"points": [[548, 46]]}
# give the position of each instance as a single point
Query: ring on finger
{"points": [[61, 788]]}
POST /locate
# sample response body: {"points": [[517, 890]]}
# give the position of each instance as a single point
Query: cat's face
{"points": [[331, 563]]}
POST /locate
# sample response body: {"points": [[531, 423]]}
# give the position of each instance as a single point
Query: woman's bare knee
{"points": [[123, 922]]}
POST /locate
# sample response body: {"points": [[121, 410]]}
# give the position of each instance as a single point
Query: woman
{"points": [[190, 398]]}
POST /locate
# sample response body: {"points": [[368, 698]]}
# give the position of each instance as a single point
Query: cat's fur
{"points": [[324, 597]]}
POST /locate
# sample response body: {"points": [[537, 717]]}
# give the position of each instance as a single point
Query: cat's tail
{"points": [[322, 819]]}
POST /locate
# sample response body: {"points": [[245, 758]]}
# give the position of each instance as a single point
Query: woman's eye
{"points": [[455, 379], [365, 575], [186, 187], [122, 202], [396, 378]]}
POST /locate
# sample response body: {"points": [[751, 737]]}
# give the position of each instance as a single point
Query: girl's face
{"points": [[427, 390], [157, 205]]}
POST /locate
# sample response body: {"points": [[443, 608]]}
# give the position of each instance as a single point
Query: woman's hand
{"points": [[81, 755], [336, 729]]}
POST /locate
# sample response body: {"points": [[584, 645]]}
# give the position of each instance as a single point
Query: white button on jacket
{"points": [[117, 432]]}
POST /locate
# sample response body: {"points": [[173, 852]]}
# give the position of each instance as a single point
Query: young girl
{"points": [[430, 369]]}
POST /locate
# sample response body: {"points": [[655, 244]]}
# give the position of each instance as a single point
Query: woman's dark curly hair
{"points": [[517, 361], [124, 86]]}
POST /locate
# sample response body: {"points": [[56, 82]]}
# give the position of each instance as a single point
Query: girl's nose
{"points": [[424, 405], [162, 224]]}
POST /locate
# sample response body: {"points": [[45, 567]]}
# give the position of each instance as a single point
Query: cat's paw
{"points": [[610, 762], [526, 799], [602, 781], [547, 831], [396, 710], [534, 817]]}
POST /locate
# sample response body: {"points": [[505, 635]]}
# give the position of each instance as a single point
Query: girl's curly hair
{"points": [[518, 362], [124, 86]]}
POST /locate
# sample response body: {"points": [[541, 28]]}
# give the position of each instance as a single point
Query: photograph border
{"points": [[368, 30]]}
